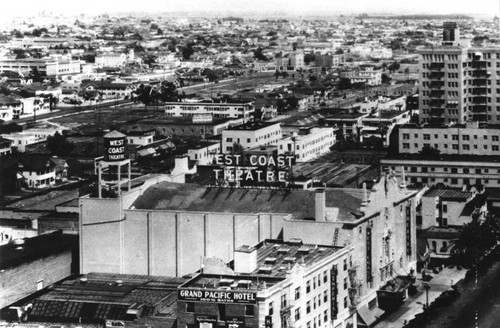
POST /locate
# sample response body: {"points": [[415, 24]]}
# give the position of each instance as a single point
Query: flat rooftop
{"points": [[35, 248], [251, 126], [298, 203], [99, 296], [274, 260]]}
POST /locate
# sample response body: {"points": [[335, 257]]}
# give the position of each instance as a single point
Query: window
{"points": [[325, 296], [297, 293], [297, 314], [345, 283], [271, 308], [325, 277], [249, 310], [190, 307], [325, 316], [308, 307], [445, 208], [427, 137], [308, 286], [39, 284], [494, 138], [283, 301], [466, 170], [345, 302], [345, 264], [314, 283], [229, 139], [465, 137]]}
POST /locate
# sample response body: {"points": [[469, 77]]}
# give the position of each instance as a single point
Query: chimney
{"points": [[245, 259], [320, 204]]}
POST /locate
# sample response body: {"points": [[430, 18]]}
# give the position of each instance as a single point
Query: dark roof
{"points": [[450, 232], [15, 223], [449, 194], [444, 157], [36, 163], [103, 296], [298, 203], [252, 126], [36, 248]]}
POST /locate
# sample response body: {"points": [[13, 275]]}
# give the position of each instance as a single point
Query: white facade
{"points": [[110, 59], [48, 66], [305, 147], [458, 140], [40, 179], [250, 135], [205, 154], [218, 110]]}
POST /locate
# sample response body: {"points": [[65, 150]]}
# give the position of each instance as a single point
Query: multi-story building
{"points": [[204, 152], [49, 67], [447, 170], [367, 74], [250, 135], [308, 144], [233, 109], [466, 139], [459, 83], [276, 284], [382, 231]]}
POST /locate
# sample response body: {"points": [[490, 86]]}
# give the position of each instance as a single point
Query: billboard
{"points": [[216, 296], [114, 149]]}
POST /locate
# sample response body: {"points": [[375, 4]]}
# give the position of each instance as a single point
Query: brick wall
{"points": [[21, 281]]}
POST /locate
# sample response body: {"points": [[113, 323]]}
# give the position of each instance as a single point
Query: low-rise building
{"points": [[38, 171], [10, 108], [241, 109], [250, 135], [308, 144], [204, 152], [49, 67], [103, 300], [31, 264]]}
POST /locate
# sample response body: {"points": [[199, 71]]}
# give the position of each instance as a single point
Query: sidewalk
{"points": [[414, 305]]}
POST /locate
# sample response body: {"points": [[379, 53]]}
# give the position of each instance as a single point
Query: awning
{"points": [[369, 317]]}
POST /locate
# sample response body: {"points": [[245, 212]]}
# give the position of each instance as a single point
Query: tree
{"points": [[393, 67], [428, 151], [474, 241], [385, 79], [188, 51], [309, 57], [59, 145], [259, 55], [344, 83]]}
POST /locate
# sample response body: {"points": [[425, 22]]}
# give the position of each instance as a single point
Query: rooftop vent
{"points": [[270, 260], [283, 250], [265, 269]]}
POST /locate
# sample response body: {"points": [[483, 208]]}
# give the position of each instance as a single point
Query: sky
{"points": [[29, 7]]}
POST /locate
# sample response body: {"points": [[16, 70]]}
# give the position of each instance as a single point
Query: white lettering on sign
{"points": [[116, 142], [216, 296]]}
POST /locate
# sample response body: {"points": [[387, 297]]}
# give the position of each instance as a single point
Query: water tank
{"points": [[114, 146]]}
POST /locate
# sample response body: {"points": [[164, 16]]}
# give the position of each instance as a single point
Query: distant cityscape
{"points": [[295, 170]]}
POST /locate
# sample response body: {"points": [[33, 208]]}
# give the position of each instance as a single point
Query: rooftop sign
{"points": [[216, 296]]}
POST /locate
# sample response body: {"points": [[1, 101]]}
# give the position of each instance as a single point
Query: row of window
{"points": [[465, 137], [453, 146]]}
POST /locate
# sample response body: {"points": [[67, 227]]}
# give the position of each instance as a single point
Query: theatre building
{"points": [[276, 284]]}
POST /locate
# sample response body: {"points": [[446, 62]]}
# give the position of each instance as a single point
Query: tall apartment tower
{"points": [[459, 83]]}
